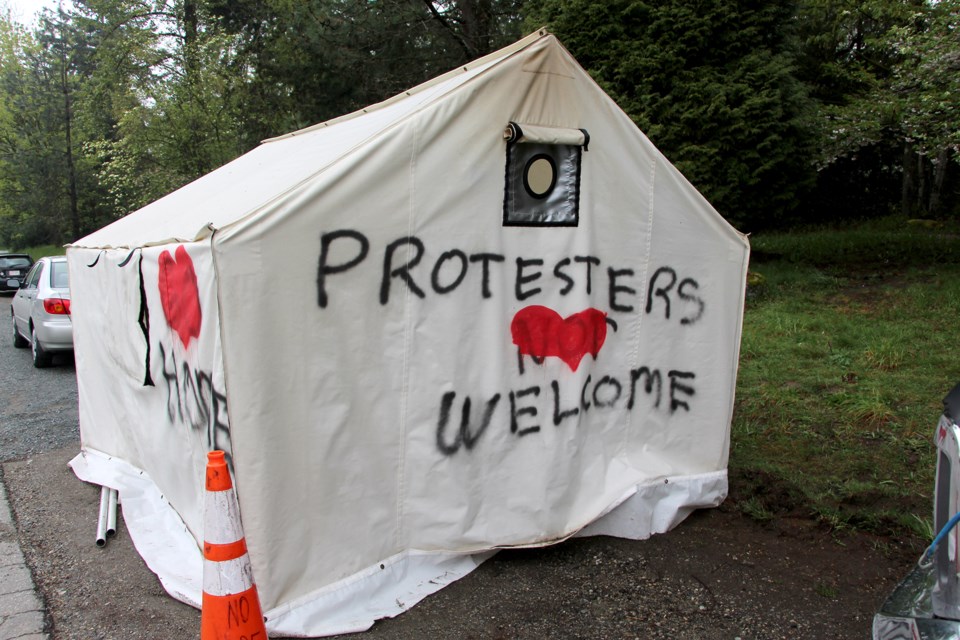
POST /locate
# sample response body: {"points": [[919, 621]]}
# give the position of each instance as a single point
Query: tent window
{"points": [[543, 176]]}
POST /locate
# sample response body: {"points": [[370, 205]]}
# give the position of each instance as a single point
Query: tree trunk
{"points": [[68, 134], [71, 168], [939, 174], [909, 183], [921, 182], [477, 16], [472, 27], [191, 70], [189, 37]]}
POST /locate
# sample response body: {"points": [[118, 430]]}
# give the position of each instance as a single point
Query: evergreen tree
{"points": [[926, 94], [43, 173], [314, 60], [848, 51], [25, 143], [710, 83], [884, 75]]}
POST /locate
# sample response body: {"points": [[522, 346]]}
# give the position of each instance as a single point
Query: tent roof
{"points": [[245, 185]]}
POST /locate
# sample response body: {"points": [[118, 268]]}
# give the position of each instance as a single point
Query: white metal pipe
{"points": [[112, 514], [102, 519]]}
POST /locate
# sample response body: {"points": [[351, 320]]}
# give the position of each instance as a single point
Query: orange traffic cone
{"points": [[231, 606]]}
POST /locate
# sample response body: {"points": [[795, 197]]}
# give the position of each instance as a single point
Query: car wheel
{"points": [[40, 357], [18, 340]]}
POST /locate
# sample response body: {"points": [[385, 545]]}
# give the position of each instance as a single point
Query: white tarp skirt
{"points": [[383, 590]]}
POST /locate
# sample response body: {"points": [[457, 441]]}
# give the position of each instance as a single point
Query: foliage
{"points": [[884, 75], [309, 62], [40, 251], [170, 87], [109, 104], [30, 154], [113, 103], [928, 80], [710, 83]]}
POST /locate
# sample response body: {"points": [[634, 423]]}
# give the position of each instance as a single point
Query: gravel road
{"points": [[38, 411], [716, 576]]}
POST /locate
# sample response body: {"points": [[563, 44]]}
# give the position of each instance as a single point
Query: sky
{"points": [[24, 11]]}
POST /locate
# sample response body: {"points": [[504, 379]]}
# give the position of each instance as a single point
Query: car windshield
{"points": [[59, 276], [7, 262]]}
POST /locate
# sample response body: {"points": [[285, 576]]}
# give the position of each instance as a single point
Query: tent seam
{"points": [[407, 339], [223, 355], [744, 270], [635, 354]]}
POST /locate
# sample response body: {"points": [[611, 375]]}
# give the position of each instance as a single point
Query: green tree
{"points": [[710, 83], [844, 46], [22, 139], [165, 92], [39, 151], [847, 55], [314, 60], [926, 92], [884, 74], [51, 191], [113, 103]]}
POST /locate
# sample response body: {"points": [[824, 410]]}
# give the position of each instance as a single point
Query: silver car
{"points": [[41, 311]]}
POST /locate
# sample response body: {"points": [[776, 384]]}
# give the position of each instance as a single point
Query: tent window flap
{"points": [[542, 185]]}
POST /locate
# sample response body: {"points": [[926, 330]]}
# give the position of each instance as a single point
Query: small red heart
{"points": [[540, 332], [179, 295]]}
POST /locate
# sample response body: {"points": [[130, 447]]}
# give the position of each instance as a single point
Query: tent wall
{"points": [[342, 411], [151, 386], [352, 329]]}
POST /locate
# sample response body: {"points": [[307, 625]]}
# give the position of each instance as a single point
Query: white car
{"points": [[41, 311]]}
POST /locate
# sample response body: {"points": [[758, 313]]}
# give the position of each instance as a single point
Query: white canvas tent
{"points": [[485, 313]]}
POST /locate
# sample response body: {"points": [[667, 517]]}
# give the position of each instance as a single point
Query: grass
{"points": [[826, 591], [848, 348], [42, 251]]}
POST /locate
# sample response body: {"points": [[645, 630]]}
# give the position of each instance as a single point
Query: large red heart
{"points": [[179, 295], [540, 332]]}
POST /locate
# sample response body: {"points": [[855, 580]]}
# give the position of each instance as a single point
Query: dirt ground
{"points": [[717, 575]]}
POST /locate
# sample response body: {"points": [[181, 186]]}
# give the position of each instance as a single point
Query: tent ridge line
{"points": [[140, 245]]}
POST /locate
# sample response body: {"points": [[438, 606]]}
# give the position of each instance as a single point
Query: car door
{"points": [[24, 299]]}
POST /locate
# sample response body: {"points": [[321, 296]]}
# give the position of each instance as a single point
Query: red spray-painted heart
{"points": [[540, 332], [179, 295]]}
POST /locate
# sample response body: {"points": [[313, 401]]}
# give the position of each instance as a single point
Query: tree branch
{"points": [[446, 25]]}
